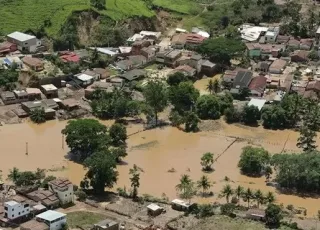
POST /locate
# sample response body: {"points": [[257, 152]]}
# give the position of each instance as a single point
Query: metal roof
{"points": [[11, 203], [50, 215], [257, 102], [20, 36]]}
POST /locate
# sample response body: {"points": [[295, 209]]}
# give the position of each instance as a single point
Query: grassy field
{"points": [[226, 223], [83, 219], [29, 14], [180, 6]]}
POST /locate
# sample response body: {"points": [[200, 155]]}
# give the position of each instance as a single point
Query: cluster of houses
{"points": [[279, 64], [31, 208]]}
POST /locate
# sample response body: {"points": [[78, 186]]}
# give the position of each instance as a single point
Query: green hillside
{"points": [[30, 14]]}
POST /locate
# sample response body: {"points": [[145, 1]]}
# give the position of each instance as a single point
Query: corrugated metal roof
{"points": [[50, 215]]}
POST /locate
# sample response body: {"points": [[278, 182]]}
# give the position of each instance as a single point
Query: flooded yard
{"points": [[156, 152]]}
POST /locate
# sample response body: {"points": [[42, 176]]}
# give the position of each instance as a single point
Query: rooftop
{"points": [[50, 215], [278, 64], [32, 61], [84, 77], [242, 79], [34, 225], [11, 203], [20, 93], [180, 202], [251, 33], [150, 33], [154, 207], [106, 223], [49, 87], [61, 183], [256, 212], [33, 91], [133, 74], [258, 83], [20, 36], [257, 102]]}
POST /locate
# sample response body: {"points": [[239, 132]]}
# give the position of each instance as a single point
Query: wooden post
{"points": [[27, 148]]}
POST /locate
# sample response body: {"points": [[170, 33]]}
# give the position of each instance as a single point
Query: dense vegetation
{"points": [[299, 172], [38, 115], [8, 78]]}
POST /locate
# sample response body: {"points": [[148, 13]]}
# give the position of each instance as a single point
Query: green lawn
{"points": [[29, 14], [83, 219], [180, 6]]}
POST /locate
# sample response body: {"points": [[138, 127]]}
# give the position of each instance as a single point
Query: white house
{"points": [[55, 220], [85, 79], [63, 189], [13, 209], [25, 42]]}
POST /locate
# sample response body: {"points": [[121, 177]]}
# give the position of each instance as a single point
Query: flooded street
{"points": [[156, 152], [201, 84]]}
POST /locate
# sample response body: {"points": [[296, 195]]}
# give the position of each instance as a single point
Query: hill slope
{"points": [[30, 14]]}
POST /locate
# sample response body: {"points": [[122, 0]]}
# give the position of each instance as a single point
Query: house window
{"points": [[12, 215], [26, 205], [65, 195], [19, 213], [13, 209], [70, 193]]}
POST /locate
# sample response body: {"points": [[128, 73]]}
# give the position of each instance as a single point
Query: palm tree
{"points": [[185, 181], [247, 196], [226, 192], [204, 183], [38, 115], [258, 196], [216, 85], [210, 86], [135, 180], [270, 198], [239, 191], [14, 174]]}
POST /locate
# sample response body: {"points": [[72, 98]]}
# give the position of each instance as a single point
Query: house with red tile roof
{"points": [[258, 85]]}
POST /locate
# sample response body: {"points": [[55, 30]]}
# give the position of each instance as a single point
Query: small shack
{"points": [[106, 224], [8, 98], [256, 214], [69, 104], [180, 205], [33, 93], [154, 209]]}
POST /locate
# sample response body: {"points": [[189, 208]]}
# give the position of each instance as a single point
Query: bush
{"points": [[82, 196], [203, 210], [234, 200], [227, 209]]}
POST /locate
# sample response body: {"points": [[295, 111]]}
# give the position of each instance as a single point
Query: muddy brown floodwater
{"points": [[155, 151]]}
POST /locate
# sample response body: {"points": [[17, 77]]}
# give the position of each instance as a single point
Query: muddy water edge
{"points": [[28, 146]]}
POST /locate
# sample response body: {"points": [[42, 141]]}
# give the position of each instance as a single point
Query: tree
{"points": [[306, 140], [45, 182], [210, 86], [183, 97], [216, 86], [250, 115], [226, 192], [135, 180], [224, 21], [207, 161], [313, 55], [258, 196], [247, 196], [270, 198], [176, 78], [268, 171], [239, 191], [204, 184], [99, 4], [14, 174], [38, 115], [118, 152], [176, 119], [191, 122], [84, 136], [82, 196], [65, 226], [232, 115], [221, 50], [274, 117], [26, 178], [253, 160], [208, 107], [118, 134], [244, 93], [273, 215], [101, 171], [156, 97]]}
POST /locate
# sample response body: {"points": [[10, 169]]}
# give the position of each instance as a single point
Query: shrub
{"points": [[227, 209], [82, 196]]}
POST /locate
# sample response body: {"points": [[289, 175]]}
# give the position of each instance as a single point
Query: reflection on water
{"points": [[156, 152]]}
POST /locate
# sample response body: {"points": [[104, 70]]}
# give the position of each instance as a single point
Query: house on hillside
{"points": [[300, 56], [49, 90], [63, 188], [134, 74], [169, 58], [262, 66], [34, 63], [24, 42], [7, 47]]}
